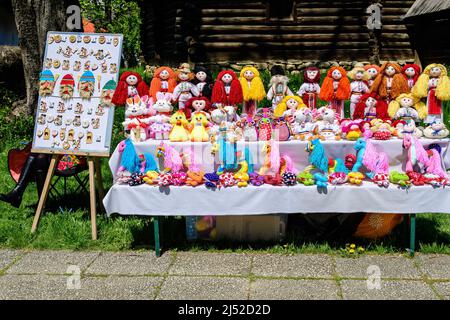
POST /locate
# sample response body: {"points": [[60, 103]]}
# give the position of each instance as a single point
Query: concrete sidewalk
{"points": [[204, 275]]}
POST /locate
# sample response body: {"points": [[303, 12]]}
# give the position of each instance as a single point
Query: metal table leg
{"points": [[412, 234], [157, 240]]}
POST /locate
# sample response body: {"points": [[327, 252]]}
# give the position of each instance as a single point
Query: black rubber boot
{"points": [[15, 196]]}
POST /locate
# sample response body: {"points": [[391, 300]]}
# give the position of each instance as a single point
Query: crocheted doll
{"points": [[406, 106], [197, 104], [199, 124], [179, 132], [203, 81], [411, 72], [433, 84], [227, 90], [407, 127], [372, 70], [130, 85], [371, 106], [389, 83], [335, 89], [358, 86], [436, 130], [288, 106], [163, 81], [302, 127], [278, 86], [161, 127], [184, 89], [252, 89], [310, 89]]}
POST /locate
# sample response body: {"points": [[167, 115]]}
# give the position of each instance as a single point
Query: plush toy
{"points": [[171, 159], [226, 150], [278, 86], [256, 179], [227, 90], [248, 126], [252, 89], [411, 73], [179, 132], [368, 156], [211, 180], [306, 178], [184, 89], [356, 178], [197, 104], [194, 178], [273, 162], [327, 123], [417, 156], [318, 159], [131, 163], [416, 178], [289, 179], [435, 164], [264, 118], [335, 89], [274, 180], [372, 70], [358, 86], [163, 81], [302, 127], [226, 179], [407, 127], [381, 130], [400, 179], [151, 177], [352, 129], [160, 126], [136, 118], [288, 106], [130, 85], [242, 176], [389, 83], [203, 81], [280, 129], [436, 130], [406, 107], [310, 89], [370, 106], [199, 124], [434, 85]]}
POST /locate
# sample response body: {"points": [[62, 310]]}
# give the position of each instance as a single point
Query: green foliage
{"points": [[117, 16]]}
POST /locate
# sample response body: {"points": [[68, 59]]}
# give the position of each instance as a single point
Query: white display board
{"points": [[81, 122]]}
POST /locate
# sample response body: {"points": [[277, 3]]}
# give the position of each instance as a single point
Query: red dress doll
{"points": [[310, 89], [371, 106], [130, 85], [335, 89], [411, 72], [196, 104], [227, 89]]}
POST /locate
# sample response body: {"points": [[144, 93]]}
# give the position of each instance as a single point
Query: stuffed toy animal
{"points": [[400, 179], [435, 164], [211, 180], [170, 158], [225, 147], [256, 179], [370, 106], [306, 178], [227, 90], [319, 162], [163, 81], [248, 126], [352, 129], [197, 104], [184, 89], [356, 178], [136, 118], [372, 70], [358, 86], [302, 127], [151, 177], [203, 81], [389, 83], [274, 163], [179, 132], [241, 176], [281, 130], [411, 73], [374, 161], [327, 123], [278, 86], [310, 89], [252, 89], [434, 85], [406, 107], [335, 89], [130, 85], [218, 118], [408, 127], [417, 155], [131, 163], [288, 106], [264, 118], [160, 126], [436, 130], [226, 179], [199, 124]]}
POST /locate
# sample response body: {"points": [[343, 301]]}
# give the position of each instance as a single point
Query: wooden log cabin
{"points": [[235, 30]]}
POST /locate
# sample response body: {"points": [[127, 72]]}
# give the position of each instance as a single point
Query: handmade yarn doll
{"points": [[406, 106], [310, 89], [372, 70], [160, 126], [328, 123], [335, 89], [369, 107], [197, 104], [227, 90], [411, 72], [184, 89], [302, 127], [433, 84], [136, 118], [278, 86], [389, 83], [203, 81], [199, 124], [130, 85], [288, 106], [436, 130], [179, 132], [252, 89], [403, 127], [163, 81], [358, 86]]}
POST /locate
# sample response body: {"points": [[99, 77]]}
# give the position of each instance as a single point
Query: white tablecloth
{"points": [[266, 199]]}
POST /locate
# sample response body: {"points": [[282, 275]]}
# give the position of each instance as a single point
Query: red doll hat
{"points": [[121, 93], [219, 95]]}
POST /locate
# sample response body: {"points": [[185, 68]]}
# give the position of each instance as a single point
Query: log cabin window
{"points": [[283, 10]]}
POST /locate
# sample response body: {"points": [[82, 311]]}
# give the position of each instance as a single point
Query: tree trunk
{"points": [[34, 18]]}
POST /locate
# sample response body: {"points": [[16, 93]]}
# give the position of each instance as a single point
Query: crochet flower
{"points": [[179, 178], [289, 179], [256, 179], [274, 180], [136, 179], [211, 180], [165, 179], [227, 179]]}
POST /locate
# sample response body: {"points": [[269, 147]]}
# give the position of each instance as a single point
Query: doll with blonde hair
{"points": [[252, 89], [407, 107], [358, 86], [434, 84], [335, 89], [288, 106], [389, 83], [163, 81]]}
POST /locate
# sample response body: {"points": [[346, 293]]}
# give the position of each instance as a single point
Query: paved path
{"points": [[204, 275]]}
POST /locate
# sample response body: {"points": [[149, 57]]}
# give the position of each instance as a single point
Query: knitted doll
{"points": [[203, 81], [252, 89], [358, 86], [196, 104], [369, 107], [163, 81], [411, 72], [288, 106], [227, 90], [130, 85], [278, 86], [184, 89], [434, 84], [389, 83], [335, 89], [406, 106], [310, 88], [373, 70]]}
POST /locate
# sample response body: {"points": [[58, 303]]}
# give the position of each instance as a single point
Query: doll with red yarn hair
{"points": [[335, 89], [390, 82], [196, 104], [411, 72], [130, 85], [372, 70], [310, 89], [227, 90], [371, 106], [163, 81]]}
